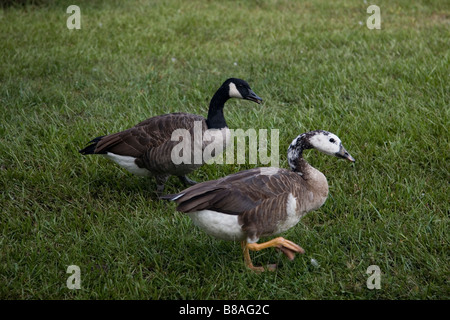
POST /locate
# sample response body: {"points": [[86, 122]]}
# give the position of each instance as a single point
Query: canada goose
{"points": [[146, 148], [263, 201]]}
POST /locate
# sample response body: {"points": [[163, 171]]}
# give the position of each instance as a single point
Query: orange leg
{"points": [[248, 260], [287, 247]]}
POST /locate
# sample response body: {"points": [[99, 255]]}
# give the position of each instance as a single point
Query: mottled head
{"points": [[321, 140]]}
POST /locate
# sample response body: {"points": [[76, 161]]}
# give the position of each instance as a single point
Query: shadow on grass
{"points": [[134, 186]]}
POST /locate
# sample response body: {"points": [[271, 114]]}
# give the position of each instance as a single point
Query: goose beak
{"points": [[253, 97], [345, 155]]}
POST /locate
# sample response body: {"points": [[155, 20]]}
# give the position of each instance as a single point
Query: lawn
{"points": [[384, 92]]}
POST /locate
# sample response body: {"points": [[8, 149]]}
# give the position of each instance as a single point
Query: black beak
{"points": [[253, 97], [344, 154]]}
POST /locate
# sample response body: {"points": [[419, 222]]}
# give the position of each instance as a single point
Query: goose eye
{"points": [[332, 140]]}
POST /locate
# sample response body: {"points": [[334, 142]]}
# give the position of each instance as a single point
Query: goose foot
{"points": [[288, 247], [288, 252], [187, 181], [160, 183], [249, 264]]}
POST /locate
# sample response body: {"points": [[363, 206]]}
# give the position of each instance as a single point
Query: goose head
{"points": [[231, 88], [330, 144], [324, 141], [240, 89]]}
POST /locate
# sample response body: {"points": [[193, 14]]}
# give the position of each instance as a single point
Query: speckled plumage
{"points": [[260, 200], [266, 201]]}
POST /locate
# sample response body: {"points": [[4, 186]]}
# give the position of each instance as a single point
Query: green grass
{"points": [[385, 93]]}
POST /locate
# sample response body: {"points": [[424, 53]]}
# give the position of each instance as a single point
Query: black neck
{"points": [[215, 119]]}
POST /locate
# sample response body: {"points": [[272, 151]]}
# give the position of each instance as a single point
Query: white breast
{"points": [[293, 217], [128, 163], [219, 225]]}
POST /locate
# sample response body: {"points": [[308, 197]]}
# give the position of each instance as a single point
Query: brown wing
{"points": [[237, 193], [259, 200], [151, 133]]}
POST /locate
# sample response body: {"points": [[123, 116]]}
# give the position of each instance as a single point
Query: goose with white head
{"points": [[262, 202], [146, 148]]}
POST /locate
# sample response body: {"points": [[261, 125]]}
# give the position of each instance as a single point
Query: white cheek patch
{"points": [[322, 143], [234, 92]]}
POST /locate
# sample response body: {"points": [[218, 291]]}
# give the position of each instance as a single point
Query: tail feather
{"points": [[171, 197], [90, 149]]}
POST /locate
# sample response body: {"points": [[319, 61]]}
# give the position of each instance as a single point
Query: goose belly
{"points": [[127, 163], [219, 225]]}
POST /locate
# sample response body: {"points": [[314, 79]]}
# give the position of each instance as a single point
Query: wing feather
{"points": [[236, 193], [151, 133]]}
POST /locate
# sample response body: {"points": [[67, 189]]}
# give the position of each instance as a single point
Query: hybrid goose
{"points": [[263, 201], [146, 149]]}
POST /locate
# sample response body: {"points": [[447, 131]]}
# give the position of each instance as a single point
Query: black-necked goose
{"points": [[146, 148], [263, 201]]}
